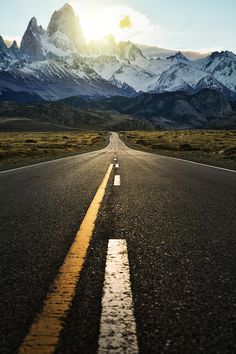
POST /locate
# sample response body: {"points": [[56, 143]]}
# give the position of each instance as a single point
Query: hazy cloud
{"points": [[9, 39]]}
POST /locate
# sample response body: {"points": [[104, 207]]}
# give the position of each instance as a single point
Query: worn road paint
{"points": [[117, 180], [44, 334], [197, 163], [117, 165], [117, 326]]}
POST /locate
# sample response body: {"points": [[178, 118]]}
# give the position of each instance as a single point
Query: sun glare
{"points": [[122, 22], [106, 21]]}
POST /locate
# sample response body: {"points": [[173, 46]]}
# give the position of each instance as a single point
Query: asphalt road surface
{"points": [[162, 253]]}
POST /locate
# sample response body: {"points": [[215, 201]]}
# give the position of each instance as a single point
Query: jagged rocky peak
{"points": [[14, 45], [65, 31], [3, 47], [31, 43], [177, 56], [34, 28], [223, 54], [15, 50], [127, 50], [33, 24]]}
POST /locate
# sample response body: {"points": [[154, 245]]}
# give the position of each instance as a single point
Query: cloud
{"points": [[210, 50], [125, 22]]}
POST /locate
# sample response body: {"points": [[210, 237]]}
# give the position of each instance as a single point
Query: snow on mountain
{"points": [[175, 73], [177, 57], [221, 66], [127, 72], [56, 79], [179, 77], [129, 66], [10, 56], [60, 54]]}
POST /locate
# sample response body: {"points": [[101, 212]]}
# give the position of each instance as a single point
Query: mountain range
{"points": [[57, 63], [170, 110]]}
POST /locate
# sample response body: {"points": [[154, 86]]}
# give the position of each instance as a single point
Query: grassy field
{"points": [[19, 149], [215, 147]]}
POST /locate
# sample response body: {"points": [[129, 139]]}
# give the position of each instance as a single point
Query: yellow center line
{"points": [[44, 333]]}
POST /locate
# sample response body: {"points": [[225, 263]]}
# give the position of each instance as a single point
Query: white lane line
{"points": [[52, 161], [115, 159], [198, 163], [117, 165], [117, 325], [117, 180], [44, 333]]}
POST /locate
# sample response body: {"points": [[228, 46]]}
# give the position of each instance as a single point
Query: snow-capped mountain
{"points": [[62, 38], [54, 79], [58, 63], [49, 64], [10, 56], [175, 73]]}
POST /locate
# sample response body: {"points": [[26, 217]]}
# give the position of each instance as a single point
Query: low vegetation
{"points": [[57, 116], [18, 149], [216, 147]]}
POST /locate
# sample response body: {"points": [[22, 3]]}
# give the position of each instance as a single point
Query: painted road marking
{"points": [[44, 333], [117, 325], [198, 163], [188, 161], [117, 180], [117, 165], [52, 161]]}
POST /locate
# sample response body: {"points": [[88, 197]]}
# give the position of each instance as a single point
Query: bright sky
{"points": [[200, 25]]}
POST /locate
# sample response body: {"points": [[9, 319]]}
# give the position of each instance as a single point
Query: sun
{"points": [[106, 21], [120, 21]]}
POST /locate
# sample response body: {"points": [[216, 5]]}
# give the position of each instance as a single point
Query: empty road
{"points": [[155, 275]]}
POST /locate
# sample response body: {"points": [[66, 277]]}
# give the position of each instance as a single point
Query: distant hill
{"points": [[58, 116], [145, 111], [169, 110]]}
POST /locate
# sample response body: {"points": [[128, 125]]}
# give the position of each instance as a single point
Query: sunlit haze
{"points": [[184, 25], [122, 22]]}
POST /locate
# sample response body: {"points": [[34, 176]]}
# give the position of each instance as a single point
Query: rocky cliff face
{"points": [[3, 47], [63, 36], [31, 43], [65, 32]]}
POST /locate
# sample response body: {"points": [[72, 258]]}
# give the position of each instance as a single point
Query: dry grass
{"points": [[216, 147], [18, 149]]}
